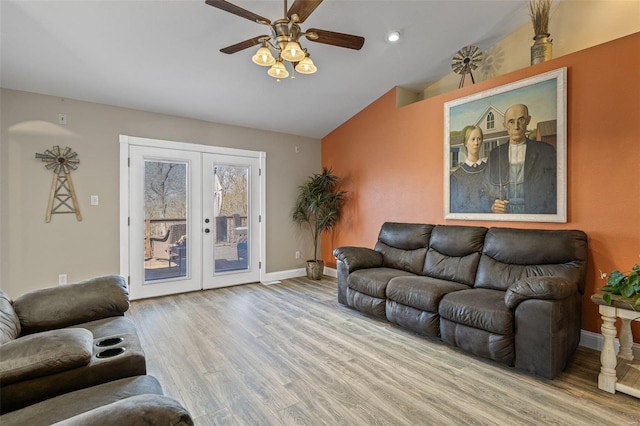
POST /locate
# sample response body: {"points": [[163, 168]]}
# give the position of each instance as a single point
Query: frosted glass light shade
{"points": [[306, 66], [263, 57], [293, 52], [278, 70]]}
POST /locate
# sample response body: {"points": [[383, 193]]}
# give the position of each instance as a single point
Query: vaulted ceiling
{"points": [[163, 56]]}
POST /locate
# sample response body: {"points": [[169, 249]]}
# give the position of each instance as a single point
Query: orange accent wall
{"points": [[391, 160]]}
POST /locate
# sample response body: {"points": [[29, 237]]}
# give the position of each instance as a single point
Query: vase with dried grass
{"points": [[540, 13]]}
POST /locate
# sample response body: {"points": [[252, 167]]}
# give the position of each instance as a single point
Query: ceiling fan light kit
{"points": [[293, 52], [285, 38], [263, 57], [306, 66], [278, 70]]}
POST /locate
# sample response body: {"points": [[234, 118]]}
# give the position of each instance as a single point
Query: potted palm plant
{"points": [[317, 208]]}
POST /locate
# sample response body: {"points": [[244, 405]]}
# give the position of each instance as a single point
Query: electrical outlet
{"points": [[94, 200], [298, 254], [62, 118], [62, 279]]}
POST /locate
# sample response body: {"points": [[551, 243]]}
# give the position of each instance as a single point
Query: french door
{"points": [[193, 216], [230, 244]]}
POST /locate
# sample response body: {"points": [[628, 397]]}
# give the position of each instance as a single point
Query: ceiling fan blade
{"points": [[237, 10], [243, 45], [303, 8], [336, 39]]}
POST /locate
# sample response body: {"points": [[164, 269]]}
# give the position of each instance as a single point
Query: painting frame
{"points": [[545, 96]]}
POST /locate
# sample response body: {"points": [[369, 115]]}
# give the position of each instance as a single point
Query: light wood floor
{"points": [[290, 354]]}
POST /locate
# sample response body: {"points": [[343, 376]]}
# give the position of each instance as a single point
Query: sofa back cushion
{"points": [[404, 245], [9, 322], [454, 253], [71, 304], [512, 254]]}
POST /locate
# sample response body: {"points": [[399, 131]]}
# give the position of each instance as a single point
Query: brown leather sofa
{"points": [[65, 346], [55, 341], [132, 401], [510, 295]]}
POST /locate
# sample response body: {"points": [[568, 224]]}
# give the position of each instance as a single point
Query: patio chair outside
{"points": [[160, 246]]}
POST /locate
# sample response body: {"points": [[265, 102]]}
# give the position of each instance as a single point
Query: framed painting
{"points": [[506, 152]]}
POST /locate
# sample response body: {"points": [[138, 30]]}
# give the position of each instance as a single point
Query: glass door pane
{"points": [[165, 220], [230, 212]]}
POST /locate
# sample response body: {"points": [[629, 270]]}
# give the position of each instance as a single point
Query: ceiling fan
{"points": [[285, 37]]}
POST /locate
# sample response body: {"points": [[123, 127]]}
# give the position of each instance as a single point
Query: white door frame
{"points": [[127, 141]]}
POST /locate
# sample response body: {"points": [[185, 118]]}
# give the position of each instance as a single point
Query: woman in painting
{"points": [[467, 179]]}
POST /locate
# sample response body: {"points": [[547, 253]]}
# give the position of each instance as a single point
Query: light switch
{"points": [[94, 200]]}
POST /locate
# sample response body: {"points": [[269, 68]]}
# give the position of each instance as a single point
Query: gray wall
{"points": [[33, 252]]}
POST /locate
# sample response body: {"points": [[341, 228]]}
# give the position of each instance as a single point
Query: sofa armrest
{"points": [[136, 410], [358, 257], [72, 304], [544, 288], [45, 353]]}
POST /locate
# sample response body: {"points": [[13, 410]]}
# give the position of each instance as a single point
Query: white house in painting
{"points": [[490, 121]]}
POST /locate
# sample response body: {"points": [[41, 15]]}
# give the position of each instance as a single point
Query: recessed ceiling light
{"points": [[393, 36]]}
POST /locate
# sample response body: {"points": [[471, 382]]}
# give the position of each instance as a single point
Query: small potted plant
{"points": [[623, 284], [317, 208]]}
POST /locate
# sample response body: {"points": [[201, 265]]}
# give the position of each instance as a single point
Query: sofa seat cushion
{"points": [[423, 293], [416, 320], [365, 303], [483, 309], [498, 347], [373, 282], [45, 353]]}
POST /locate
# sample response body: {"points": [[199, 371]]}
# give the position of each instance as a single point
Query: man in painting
{"points": [[466, 181], [521, 175]]}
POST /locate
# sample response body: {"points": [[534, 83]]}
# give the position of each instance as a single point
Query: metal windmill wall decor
{"points": [[466, 60], [61, 162]]}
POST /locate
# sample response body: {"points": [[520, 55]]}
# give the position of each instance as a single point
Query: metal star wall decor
{"points": [[466, 60], [61, 162]]}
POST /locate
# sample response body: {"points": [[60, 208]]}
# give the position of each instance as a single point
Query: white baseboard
{"points": [[592, 340], [269, 277], [331, 272]]}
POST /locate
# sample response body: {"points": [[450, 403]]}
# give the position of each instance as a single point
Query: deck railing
{"points": [[223, 226]]}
